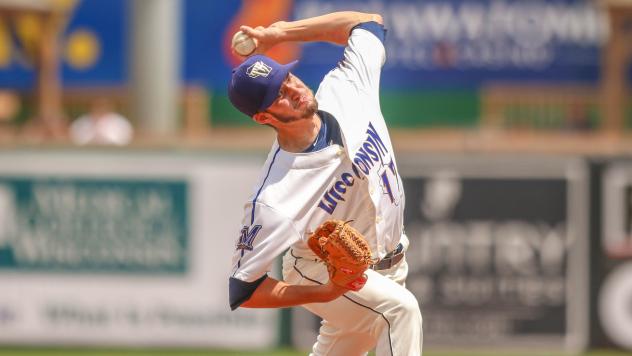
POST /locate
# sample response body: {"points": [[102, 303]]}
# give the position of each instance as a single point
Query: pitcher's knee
{"points": [[407, 307]]}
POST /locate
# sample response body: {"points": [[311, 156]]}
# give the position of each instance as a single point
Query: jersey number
{"points": [[386, 182]]}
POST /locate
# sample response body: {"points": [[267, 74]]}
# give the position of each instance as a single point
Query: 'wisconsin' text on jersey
{"points": [[373, 150]]}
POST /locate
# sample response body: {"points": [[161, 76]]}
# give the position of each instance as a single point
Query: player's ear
{"points": [[262, 118]]}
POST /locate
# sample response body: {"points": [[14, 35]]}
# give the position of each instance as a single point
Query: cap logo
{"points": [[259, 69]]}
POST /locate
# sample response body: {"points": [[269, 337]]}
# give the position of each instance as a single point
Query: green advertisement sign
{"points": [[93, 225]]}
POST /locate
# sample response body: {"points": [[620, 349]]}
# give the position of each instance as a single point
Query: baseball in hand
{"points": [[243, 44]]}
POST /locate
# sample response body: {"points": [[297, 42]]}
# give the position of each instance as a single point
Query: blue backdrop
{"points": [[453, 44]]}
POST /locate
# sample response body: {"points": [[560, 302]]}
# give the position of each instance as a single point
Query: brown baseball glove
{"points": [[345, 252]]}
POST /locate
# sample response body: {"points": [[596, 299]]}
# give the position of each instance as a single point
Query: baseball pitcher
{"points": [[329, 196]]}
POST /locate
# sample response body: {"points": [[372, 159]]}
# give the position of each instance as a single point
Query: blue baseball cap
{"points": [[255, 83]]}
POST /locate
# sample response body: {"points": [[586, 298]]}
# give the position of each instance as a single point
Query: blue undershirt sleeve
{"points": [[375, 28], [239, 291]]}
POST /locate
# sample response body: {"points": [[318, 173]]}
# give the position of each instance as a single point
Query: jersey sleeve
{"points": [[240, 291], [364, 56], [265, 234]]}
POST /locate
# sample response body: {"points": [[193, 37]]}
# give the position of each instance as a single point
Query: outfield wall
{"points": [[132, 248], [123, 248]]}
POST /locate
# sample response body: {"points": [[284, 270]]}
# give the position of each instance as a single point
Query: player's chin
{"points": [[304, 111], [307, 114], [310, 108]]}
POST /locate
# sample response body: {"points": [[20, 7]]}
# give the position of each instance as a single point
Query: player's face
{"points": [[295, 101]]}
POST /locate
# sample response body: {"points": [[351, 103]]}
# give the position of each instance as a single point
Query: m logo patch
{"points": [[259, 69], [247, 237]]}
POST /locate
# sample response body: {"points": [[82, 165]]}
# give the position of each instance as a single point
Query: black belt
{"points": [[391, 259]]}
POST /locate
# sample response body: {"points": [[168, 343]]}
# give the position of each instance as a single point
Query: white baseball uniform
{"points": [[355, 180]]}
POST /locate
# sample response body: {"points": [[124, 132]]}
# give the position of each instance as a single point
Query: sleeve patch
{"points": [[375, 28], [247, 237], [239, 291]]}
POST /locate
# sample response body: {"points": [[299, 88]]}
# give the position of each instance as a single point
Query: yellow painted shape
{"points": [[82, 49], [5, 46]]}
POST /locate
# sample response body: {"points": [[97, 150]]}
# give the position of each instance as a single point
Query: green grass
{"points": [[284, 352]]}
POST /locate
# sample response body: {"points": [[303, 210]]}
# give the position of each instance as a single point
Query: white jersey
{"points": [[360, 181]]}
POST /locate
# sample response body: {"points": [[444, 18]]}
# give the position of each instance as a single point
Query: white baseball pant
{"points": [[383, 315]]}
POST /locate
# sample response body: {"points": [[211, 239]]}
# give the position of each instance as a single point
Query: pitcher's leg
{"points": [[382, 310], [407, 329], [333, 341], [404, 336]]}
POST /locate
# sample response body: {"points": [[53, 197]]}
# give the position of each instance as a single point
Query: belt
{"points": [[390, 260]]}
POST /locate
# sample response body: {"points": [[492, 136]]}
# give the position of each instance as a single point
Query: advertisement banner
{"points": [[134, 249], [498, 251], [430, 44], [498, 254], [66, 225], [612, 260], [93, 47], [462, 44]]}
